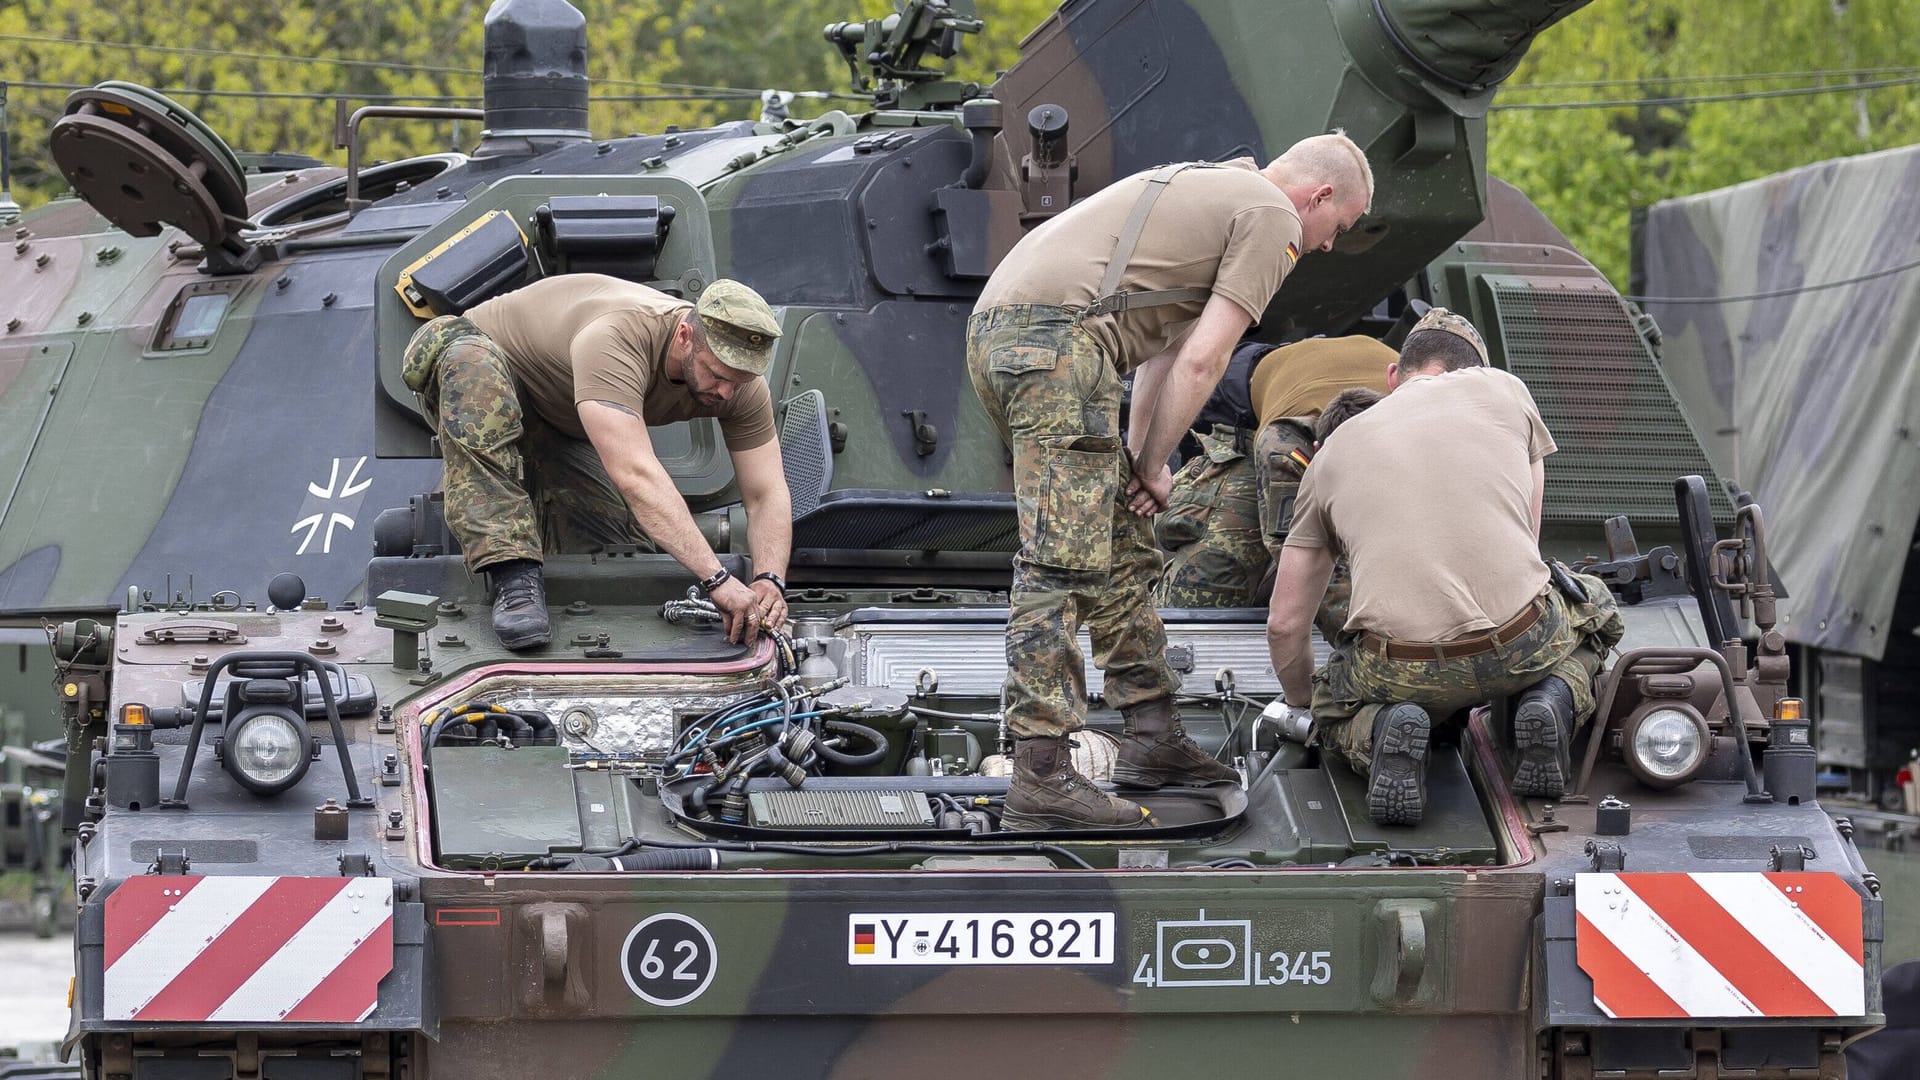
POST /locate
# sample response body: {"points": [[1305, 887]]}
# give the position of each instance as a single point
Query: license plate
{"points": [[973, 937]]}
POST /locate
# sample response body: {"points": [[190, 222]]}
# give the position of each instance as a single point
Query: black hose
{"points": [[853, 761], [513, 727], [544, 731]]}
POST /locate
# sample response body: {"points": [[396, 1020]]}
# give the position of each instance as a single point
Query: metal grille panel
{"points": [[1621, 435], [827, 809]]}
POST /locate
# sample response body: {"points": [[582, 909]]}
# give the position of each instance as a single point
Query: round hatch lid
{"points": [[142, 161]]}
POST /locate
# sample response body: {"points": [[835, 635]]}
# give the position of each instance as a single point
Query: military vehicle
{"points": [[325, 827]]}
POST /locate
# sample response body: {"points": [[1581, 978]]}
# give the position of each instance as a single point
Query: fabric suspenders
{"points": [[1110, 300]]}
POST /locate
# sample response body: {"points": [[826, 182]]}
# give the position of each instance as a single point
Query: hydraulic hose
{"points": [[847, 760]]}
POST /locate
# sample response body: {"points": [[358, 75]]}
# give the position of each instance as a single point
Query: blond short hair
{"points": [[1330, 159]]}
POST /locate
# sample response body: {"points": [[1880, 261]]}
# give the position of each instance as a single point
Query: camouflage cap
{"points": [[1448, 323], [740, 326]]}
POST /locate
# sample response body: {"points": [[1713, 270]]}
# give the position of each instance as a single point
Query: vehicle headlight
{"points": [[1666, 745], [267, 751]]}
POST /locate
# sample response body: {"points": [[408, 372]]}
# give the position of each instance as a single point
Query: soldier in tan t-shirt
{"points": [[1158, 275], [542, 399], [1433, 497]]}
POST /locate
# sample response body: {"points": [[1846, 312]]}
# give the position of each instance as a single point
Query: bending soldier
{"points": [[1063, 318], [1232, 503], [1433, 496], [542, 399]]}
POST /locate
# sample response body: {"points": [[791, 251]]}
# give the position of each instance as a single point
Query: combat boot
{"points": [[519, 604], [1543, 739], [1397, 781], [1048, 793], [1158, 752]]}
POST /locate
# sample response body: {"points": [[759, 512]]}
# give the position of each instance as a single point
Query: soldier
{"points": [[1064, 317], [1230, 509], [1433, 496], [557, 383]]}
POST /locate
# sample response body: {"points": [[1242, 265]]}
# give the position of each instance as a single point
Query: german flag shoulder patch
{"points": [[1293, 254], [1299, 457]]}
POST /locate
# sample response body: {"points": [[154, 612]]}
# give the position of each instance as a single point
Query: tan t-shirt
{"points": [[589, 337], [1429, 496], [1299, 379], [1227, 229]]}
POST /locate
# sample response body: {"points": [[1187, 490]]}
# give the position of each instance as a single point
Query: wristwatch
{"points": [[720, 577], [778, 581]]}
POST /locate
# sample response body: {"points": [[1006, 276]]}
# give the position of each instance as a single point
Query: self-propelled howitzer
{"points": [[331, 829]]}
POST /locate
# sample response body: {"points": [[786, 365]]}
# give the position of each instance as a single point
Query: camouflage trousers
{"points": [[1228, 514], [1569, 639], [1084, 558], [516, 487]]}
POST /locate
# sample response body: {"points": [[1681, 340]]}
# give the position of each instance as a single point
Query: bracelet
{"points": [[718, 579], [778, 581]]}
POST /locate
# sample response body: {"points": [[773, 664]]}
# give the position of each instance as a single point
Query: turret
{"points": [[535, 81], [1409, 80]]}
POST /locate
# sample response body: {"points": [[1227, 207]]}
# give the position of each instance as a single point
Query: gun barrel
{"points": [[1467, 46]]}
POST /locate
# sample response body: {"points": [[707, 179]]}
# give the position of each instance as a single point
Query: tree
{"points": [[1588, 167]]}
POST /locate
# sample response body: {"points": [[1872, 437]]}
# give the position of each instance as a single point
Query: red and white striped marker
{"points": [[1721, 945], [294, 949]]}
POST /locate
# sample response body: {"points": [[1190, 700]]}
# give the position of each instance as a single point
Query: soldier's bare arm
{"points": [[1539, 492], [763, 491], [1189, 380], [1297, 588], [626, 450]]}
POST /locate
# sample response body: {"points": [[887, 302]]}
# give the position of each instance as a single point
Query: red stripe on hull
{"points": [[1831, 903], [1619, 986], [232, 958], [135, 906], [351, 991], [1730, 948]]}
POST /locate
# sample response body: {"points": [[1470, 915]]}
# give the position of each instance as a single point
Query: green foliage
{"points": [[653, 63], [659, 62], [1587, 168]]}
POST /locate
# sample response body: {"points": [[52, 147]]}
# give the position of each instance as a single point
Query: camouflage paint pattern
{"points": [[1570, 640], [1084, 556], [516, 487]]}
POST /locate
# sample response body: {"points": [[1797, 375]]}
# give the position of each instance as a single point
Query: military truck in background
{"points": [[1790, 308], [324, 827]]}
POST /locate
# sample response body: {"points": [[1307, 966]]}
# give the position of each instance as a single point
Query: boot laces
{"points": [[516, 592]]}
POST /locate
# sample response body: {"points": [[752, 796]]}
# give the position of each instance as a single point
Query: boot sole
{"points": [[1016, 821], [1397, 782], [1544, 758]]}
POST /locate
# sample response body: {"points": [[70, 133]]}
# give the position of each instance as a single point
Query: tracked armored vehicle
{"points": [[324, 827]]}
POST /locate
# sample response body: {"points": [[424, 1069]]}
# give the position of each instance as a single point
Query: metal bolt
{"points": [[85, 318], [671, 141], [442, 191], [332, 625], [283, 281], [41, 260], [604, 148], [329, 299], [426, 665], [21, 248], [390, 763], [393, 818], [12, 325]]}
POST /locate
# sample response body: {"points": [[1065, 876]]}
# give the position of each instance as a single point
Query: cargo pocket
{"points": [[1072, 523], [1020, 359]]}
